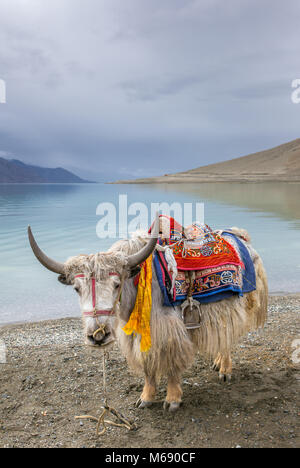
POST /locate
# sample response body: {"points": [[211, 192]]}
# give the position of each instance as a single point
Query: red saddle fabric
{"points": [[197, 247]]}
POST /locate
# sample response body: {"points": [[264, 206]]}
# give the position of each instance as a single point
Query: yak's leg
{"points": [[223, 364], [174, 394], [147, 397]]}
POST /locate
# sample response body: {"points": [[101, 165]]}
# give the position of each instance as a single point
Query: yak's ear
{"points": [[134, 271], [63, 279]]}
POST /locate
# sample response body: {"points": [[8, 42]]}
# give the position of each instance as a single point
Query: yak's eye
{"points": [[77, 289]]}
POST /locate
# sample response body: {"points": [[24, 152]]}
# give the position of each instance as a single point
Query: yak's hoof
{"points": [[172, 407], [224, 377], [140, 404]]}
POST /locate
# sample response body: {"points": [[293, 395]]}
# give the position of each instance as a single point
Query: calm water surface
{"points": [[63, 218]]}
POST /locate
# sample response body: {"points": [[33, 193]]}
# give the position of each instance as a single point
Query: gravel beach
{"points": [[50, 377]]}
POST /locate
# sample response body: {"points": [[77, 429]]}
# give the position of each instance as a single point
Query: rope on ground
{"points": [[106, 409]]}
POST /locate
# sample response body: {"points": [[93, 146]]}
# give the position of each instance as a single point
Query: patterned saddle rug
{"points": [[221, 265]]}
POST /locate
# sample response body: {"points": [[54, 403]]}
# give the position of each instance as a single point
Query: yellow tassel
{"points": [[139, 321]]}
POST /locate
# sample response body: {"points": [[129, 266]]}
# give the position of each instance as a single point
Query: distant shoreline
{"points": [[203, 180]]}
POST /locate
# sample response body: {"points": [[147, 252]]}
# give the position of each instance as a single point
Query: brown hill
{"points": [[281, 163]]}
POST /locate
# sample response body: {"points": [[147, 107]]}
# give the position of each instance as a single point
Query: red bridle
{"points": [[95, 312]]}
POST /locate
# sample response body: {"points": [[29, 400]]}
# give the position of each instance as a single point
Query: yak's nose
{"points": [[100, 338]]}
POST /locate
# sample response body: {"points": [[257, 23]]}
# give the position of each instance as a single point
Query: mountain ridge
{"points": [[281, 163], [14, 171]]}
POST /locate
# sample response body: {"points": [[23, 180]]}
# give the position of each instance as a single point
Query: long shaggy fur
{"points": [[173, 347], [98, 265]]}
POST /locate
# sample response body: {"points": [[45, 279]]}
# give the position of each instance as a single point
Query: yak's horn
{"points": [[145, 252], [47, 262]]}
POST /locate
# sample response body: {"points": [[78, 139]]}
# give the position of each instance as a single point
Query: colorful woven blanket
{"points": [[221, 269], [197, 247]]}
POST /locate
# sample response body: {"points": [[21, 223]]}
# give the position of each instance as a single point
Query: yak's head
{"points": [[97, 279]]}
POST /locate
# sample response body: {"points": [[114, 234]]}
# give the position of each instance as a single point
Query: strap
{"points": [[113, 273], [98, 313]]}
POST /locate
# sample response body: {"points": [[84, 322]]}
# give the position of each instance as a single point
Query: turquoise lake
{"points": [[63, 219]]}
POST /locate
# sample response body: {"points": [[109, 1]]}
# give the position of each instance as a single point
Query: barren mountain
{"points": [[281, 163]]}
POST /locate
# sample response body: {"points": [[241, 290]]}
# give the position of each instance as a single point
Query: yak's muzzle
{"points": [[101, 337]]}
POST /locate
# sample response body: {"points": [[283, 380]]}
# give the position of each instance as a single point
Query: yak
{"points": [[99, 279]]}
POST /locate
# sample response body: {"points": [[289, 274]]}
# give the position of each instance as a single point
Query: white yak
{"points": [[98, 279]]}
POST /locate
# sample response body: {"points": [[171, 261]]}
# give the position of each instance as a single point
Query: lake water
{"points": [[64, 220]]}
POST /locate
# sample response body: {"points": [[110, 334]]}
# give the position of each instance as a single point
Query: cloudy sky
{"points": [[123, 88]]}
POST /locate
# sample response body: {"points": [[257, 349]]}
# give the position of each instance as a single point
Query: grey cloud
{"points": [[263, 91], [157, 87], [146, 86]]}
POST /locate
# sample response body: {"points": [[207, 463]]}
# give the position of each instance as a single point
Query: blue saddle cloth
{"points": [[211, 285]]}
